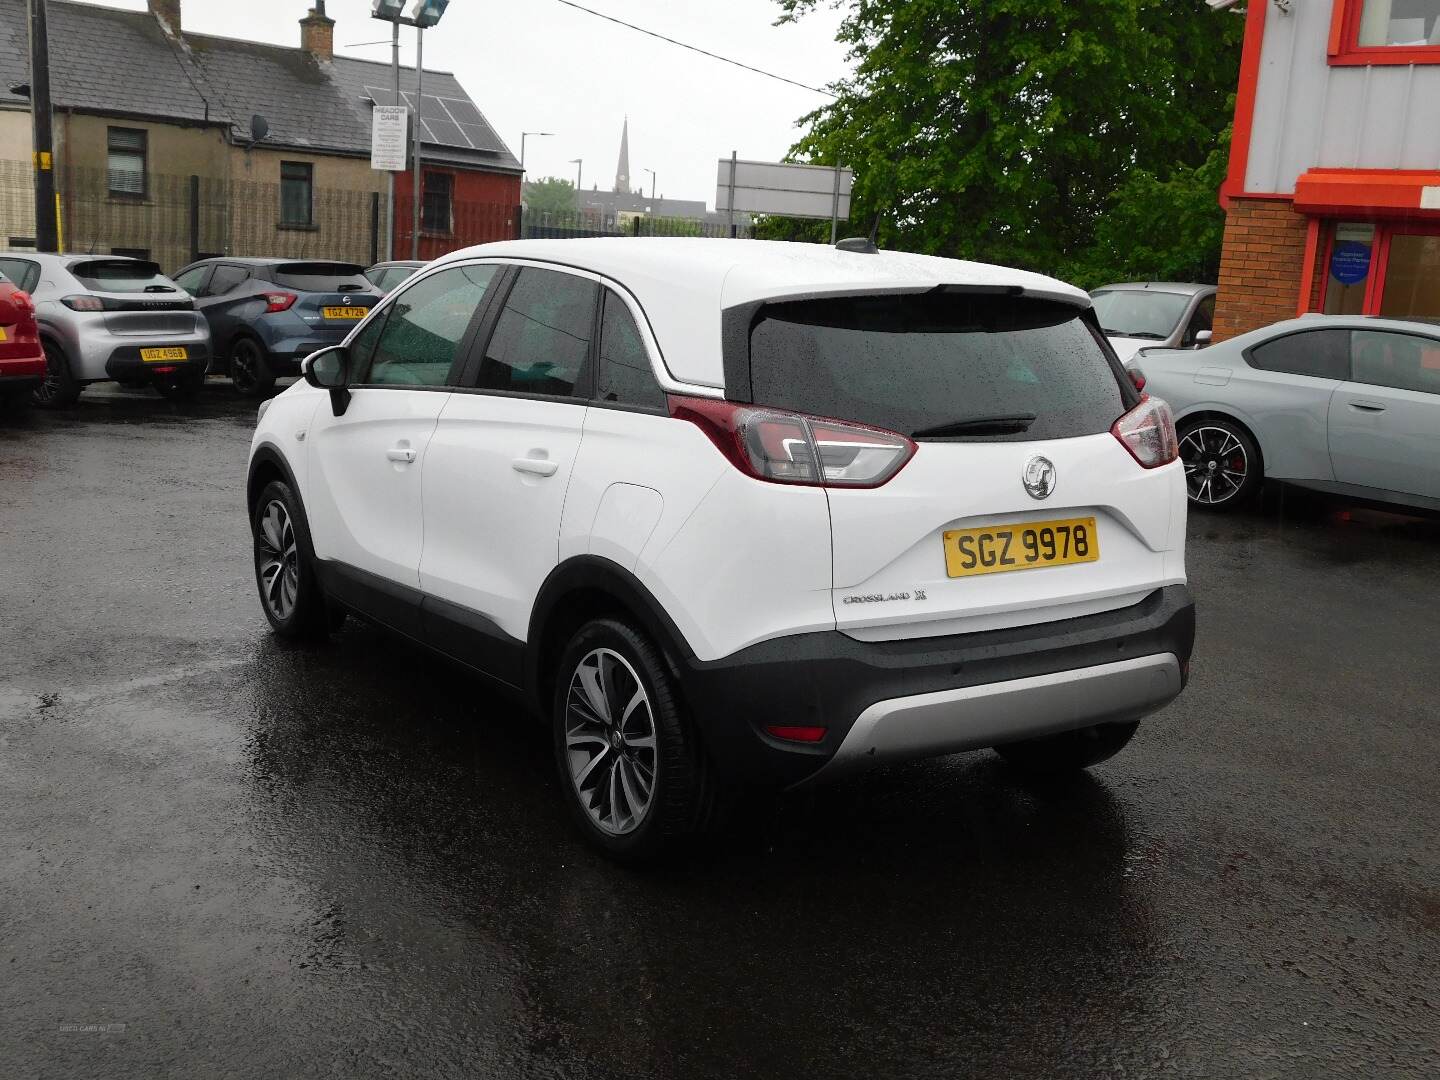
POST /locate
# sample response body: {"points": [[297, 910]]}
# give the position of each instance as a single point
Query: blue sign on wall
{"points": [[1350, 262]]}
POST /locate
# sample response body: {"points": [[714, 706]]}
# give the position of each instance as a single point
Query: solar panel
{"points": [[444, 121]]}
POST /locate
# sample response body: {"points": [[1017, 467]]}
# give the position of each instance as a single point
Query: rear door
{"points": [[330, 297], [1385, 422], [220, 296], [987, 385], [500, 464], [364, 496]]}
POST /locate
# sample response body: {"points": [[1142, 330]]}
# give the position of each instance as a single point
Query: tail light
{"points": [[791, 448], [1148, 432], [82, 302], [1137, 377], [278, 301]]}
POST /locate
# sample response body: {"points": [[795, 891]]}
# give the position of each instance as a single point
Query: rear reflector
{"points": [[793, 733], [1148, 432], [792, 448]]}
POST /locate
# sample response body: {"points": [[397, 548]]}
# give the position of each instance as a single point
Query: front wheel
{"points": [[290, 592], [1223, 470], [631, 769], [1069, 751], [250, 371]]}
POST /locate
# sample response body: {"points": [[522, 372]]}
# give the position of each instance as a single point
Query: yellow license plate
{"points": [[344, 312], [2, 333], [996, 549], [159, 356]]}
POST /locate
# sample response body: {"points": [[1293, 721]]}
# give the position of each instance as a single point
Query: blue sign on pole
{"points": [[1350, 262]]}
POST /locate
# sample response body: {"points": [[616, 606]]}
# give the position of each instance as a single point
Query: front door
{"points": [[499, 466], [1385, 422], [366, 466]]}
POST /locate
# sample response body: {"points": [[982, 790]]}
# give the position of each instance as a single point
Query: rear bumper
{"points": [[929, 696], [26, 369], [126, 363]]}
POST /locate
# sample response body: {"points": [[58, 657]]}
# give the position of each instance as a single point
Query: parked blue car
{"points": [[266, 315]]}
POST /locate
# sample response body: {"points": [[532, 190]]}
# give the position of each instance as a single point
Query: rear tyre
{"points": [[290, 593], [1223, 468], [1069, 751], [632, 771], [250, 371], [59, 389]]}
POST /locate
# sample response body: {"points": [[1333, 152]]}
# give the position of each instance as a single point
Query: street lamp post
{"points": [[652, 183], [579, 164], [523, 136]]}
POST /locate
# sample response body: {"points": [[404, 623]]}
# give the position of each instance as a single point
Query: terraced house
{"points": [[171, 145]]}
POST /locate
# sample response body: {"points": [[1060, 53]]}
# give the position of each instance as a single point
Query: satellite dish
{"points": [[259, 128]]}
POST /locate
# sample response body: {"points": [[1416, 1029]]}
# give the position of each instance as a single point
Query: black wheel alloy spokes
{"points": [[277, 560], [610, 741], [1216, 464]]}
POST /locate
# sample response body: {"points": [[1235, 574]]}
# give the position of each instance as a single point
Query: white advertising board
{"points": [[388, 128], [765, 187]]}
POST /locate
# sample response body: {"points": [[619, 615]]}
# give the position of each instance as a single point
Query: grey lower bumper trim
{"points": [[973, 717]]}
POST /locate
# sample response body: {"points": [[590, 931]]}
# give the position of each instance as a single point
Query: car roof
{"points": [[1184, 288], [684, 283]]}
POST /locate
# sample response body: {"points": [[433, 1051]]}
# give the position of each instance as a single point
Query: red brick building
{"points": [[1333, 194]]}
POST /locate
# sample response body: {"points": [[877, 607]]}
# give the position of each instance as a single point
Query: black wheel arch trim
{"points": [[593, 573], [269, 454]]}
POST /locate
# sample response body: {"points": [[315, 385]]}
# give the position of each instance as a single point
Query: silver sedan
{"points": [[1340, 404]]}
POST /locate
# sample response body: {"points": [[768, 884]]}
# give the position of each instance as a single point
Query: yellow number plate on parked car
{"points": [[998, 548], [345, 312], [157, 356]]}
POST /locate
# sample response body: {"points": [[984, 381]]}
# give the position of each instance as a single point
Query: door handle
{"points": [[535, 466], [1367, 406], [400, 453]]}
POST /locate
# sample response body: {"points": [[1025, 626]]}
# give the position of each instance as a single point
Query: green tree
{"points": [[550, 196], [1012, 130]]}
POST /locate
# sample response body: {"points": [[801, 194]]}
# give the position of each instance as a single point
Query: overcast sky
{"points": [[537, 65]]}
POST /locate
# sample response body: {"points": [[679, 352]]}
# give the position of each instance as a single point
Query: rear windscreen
{"points": [[935, 361], [122, 275], [319, 277]]}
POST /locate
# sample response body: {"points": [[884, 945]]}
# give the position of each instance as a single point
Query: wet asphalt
{"points": [[223, 856]]}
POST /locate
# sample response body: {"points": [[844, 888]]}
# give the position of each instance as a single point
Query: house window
{"points": [[1352, 254], [435, 208], [1391, 270], [126, 161], [1385, 32], [297, 192]]}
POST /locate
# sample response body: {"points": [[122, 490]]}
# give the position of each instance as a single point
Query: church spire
{"points": [[622, 170]]}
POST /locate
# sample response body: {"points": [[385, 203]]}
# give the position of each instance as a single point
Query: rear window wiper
{"points": [[979, 425]]}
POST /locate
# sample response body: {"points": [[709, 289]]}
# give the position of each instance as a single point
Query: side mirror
{"points": [[1202, 338], [329, 369]]}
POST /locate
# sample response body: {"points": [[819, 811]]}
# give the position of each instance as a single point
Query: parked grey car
{"points": [[386, 275], [1163, 314], [266, 315], [1342, 404], [108, 317]]}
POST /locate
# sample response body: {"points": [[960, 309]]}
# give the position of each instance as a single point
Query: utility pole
{"points": [[419, 104], [47, 231], [390, 176]]}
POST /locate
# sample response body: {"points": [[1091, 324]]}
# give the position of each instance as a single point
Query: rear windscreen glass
{"points": [[319, 277], [951, 365], [122, 275]]}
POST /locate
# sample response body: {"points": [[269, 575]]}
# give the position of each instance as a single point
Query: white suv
{"points": [[734, 512]]}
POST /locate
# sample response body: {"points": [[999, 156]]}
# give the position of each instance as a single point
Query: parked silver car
{"points": [[1160, 314], [109, 317], [1342, 404]]}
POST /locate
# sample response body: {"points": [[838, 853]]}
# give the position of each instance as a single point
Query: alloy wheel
{"points": [[50, 387], [610, 741], [1216, 464], [243, 366], [278, 560]]}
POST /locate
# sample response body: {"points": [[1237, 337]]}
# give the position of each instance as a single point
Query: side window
{"points": [[542, 339], [1203, 319], [1321, 354], [424, 328], [190, 280], [225, 278], [362, 346], [1404, 361], [625, 374], [22, 272]]}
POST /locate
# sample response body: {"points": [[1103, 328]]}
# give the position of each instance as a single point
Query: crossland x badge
{"points": [[1039, 477]]}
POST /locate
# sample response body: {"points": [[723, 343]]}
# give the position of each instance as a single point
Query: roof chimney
{"points": [[317, 31], [167, 14]]}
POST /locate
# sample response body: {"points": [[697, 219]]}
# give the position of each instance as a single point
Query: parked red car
{"points": [[22, 361]]}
